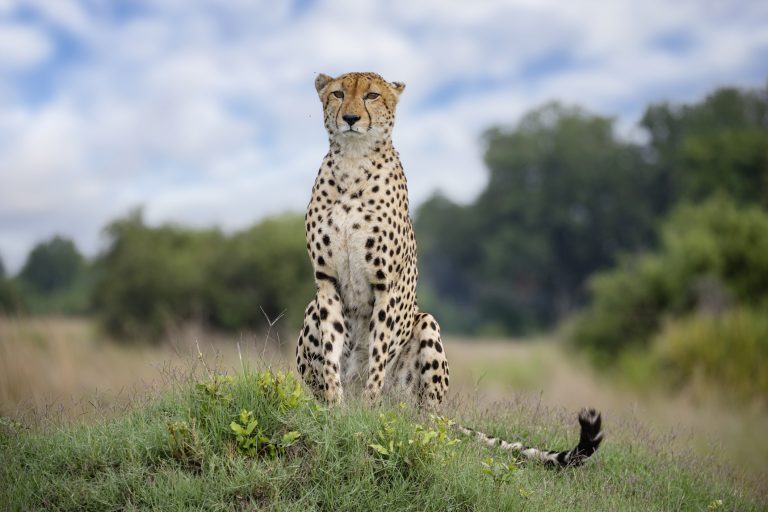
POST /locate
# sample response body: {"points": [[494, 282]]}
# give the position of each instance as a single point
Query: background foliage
{"points": [[566, 198], [712, 257], [152, 278], [642, 242], [562, 201]]}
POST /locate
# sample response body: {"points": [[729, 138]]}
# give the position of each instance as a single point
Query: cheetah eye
{"points": [[338, 94], [372, 95]]}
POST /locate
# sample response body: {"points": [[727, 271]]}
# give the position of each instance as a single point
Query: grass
{"points": [[60, 377], [64, 369], [180, 451]]}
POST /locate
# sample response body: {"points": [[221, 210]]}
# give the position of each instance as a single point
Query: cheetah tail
{"points": [[589, 441]]}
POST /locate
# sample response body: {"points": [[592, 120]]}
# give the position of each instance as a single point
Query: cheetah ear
{"points": [[321, 81], [397, 87]]}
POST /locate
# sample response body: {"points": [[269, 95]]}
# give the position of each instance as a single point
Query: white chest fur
{"points": [[351, 230]]}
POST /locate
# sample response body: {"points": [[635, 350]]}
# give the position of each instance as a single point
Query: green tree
{"points": [[152, 278], [265, 267], [446, 251], [564, 197], [10, 299], [717, 146], [52, 265]]}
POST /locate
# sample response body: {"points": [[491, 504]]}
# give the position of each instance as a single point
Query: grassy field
{"points": [[90, 425]]}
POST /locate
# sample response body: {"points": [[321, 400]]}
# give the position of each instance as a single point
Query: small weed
{"points": [[217, 388], [524, 492], [248, 438], [503, 474], [282, 388], [214, 392], [499, 472], [279, 392], [9, 427], [184, 440], [252, 440], [715, 505]]}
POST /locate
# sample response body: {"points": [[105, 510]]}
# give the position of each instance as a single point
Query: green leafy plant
{"points": [[252, 440], [283, 388], [217, 388], [499, 472], [212, 394], [248, 438], [444, 425], [386, 447], [9, 427], [399, 441]]}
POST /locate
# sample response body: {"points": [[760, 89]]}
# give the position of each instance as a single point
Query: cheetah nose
{"points": [[351, 119]]}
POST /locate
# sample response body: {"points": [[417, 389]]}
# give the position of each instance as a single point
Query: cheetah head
{"points": [[358, 106]]}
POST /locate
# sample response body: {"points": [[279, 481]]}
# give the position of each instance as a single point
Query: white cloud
{"points": [[70, 15], [205, 112], [21, 46]]}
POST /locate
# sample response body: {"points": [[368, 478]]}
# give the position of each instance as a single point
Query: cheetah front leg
{"points": [[380, 328], [331, 323]]}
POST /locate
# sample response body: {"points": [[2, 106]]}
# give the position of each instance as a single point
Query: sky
{"points": [[204, 112]]}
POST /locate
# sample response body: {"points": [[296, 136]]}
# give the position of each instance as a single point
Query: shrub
{"points": [[728, 350], [150, 278], [712, 256], [153, 278], [400, 444], [628, 303], [263, 268], [10, 299]]}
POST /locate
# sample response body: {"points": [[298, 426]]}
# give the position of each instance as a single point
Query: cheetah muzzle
{"points": [[363, 326]]}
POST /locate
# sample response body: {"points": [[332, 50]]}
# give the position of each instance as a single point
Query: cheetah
{"points": [[364, 328]]}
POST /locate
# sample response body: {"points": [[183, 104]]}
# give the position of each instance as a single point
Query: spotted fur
{"points": [[364, 325]]}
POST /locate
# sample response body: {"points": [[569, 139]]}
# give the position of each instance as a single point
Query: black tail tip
{"points": [[591, 432]]}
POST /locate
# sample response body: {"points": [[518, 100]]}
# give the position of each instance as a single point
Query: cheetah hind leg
{"points": [[422, 367], [309, 353]]}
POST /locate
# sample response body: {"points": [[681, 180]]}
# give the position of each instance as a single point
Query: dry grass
{"points": [[54, 369]]}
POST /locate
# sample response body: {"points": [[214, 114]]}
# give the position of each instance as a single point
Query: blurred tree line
{"points": [[54, 279], [656, 251], [152, 279], [694, 307], [625, 237], [566, 198]]}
